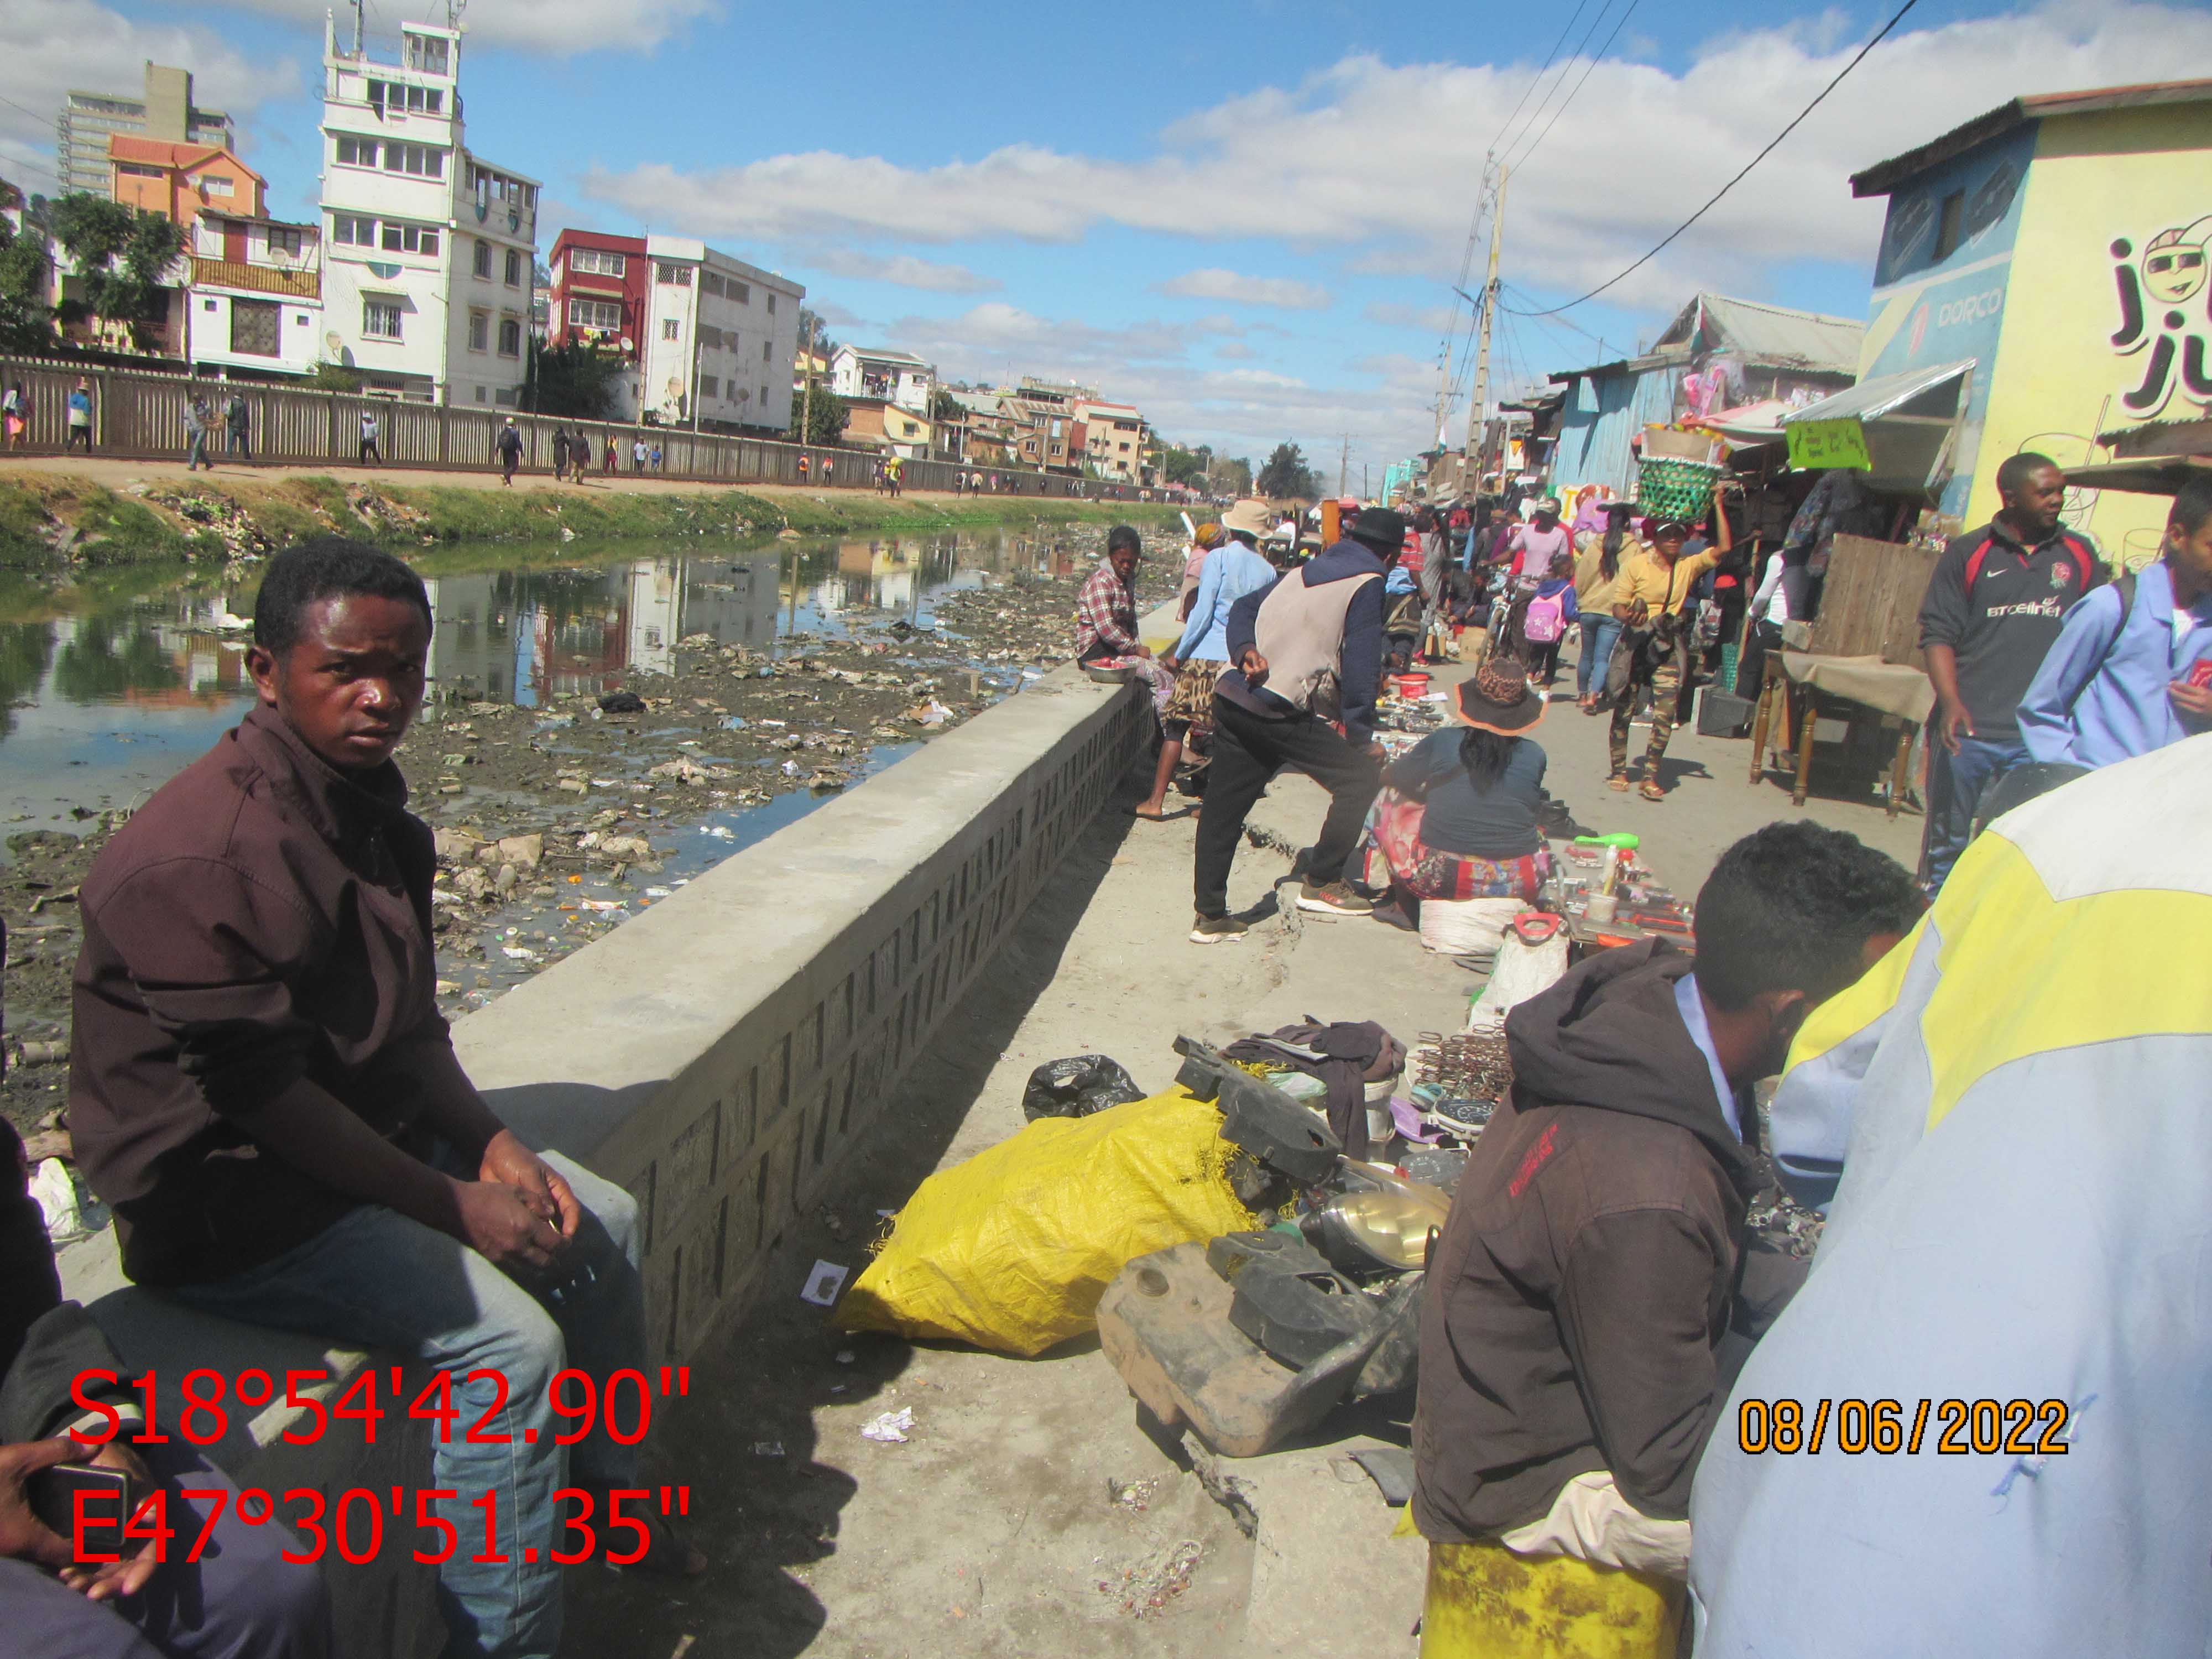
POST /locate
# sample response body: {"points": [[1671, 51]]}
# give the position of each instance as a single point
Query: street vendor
{"points": [[1650, 601], [1229, 570], [1458, 815], [1106, 637], [1578, 1299], [263, 1090]]}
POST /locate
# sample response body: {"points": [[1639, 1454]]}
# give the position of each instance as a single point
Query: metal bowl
{"points": [[1106, 676]]}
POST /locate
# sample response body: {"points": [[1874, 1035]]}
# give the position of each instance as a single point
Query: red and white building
{"points": [[598, 298]]}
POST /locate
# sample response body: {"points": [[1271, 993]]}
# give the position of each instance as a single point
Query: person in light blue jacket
{"points": [[2131, 668], [1201, 655]]}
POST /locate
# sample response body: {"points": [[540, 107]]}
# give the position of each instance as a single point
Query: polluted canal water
{"points": [[602, 725]]}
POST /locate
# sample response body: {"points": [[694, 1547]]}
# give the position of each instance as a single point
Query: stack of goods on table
{"points": [[1610, 898]]}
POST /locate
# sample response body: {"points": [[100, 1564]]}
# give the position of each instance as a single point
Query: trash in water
{"points": [[844, 1356], [890, 1428], [733, 723], [659, 892], [719, 831], [520, 953], [823, 1284]]}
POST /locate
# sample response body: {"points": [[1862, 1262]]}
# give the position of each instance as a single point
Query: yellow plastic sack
{"points": [[1013, 1249]]}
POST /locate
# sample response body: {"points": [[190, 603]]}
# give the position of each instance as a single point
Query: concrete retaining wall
{"points": [[720, 1056]]}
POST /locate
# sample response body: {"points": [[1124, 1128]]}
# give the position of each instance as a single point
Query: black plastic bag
{"points": [[1078, 1086]]}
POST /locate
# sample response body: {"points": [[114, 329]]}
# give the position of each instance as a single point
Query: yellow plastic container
{"points": [[1484, 1602]]}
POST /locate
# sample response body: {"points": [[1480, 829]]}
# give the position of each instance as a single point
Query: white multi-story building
{"points": [[894, 377], [721, 336], [254, 298], [429, 249]]}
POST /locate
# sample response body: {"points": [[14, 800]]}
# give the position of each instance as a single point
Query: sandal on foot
{"points": [[1618, 781], [1652, 791]]}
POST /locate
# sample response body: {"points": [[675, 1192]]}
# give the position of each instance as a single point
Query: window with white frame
{"points": [[479, 330], [514, 268], [673, 275], [594, 314], [380, 319], [352, 230], [285, 242], [396, 95], [598, 262], [138, 170], [510, 337], [218, 184], [670, 329], [395, 238], [419, 161], [357, 152]]}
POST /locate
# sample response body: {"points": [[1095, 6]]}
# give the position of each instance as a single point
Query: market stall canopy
{"points": [[1748, 425], [1899, 429], [2149, 475]]}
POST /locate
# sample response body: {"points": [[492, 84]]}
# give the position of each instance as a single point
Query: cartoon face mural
{"points": [[2158, 319], [2173, 268]]}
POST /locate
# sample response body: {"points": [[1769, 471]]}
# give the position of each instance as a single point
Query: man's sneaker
{"points": [[1219, 930], [1337, 898]]}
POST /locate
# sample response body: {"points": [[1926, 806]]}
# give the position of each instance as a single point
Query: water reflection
{"points": [[102, 703]]}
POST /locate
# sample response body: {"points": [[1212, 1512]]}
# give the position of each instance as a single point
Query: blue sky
{"points": [[1244, 217]]}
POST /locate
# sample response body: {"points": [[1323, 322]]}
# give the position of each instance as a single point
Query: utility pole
{"points": [[1481, 398], [1443, 387], [1344, 464]]}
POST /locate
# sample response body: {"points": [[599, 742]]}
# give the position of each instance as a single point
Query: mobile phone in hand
{"points": [[109, 1496], [2200, 673]]}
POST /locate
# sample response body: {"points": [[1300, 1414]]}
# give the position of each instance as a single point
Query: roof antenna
{"points": [[357, 5]]}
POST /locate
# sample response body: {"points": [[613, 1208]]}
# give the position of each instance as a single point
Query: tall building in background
{"points": [[429, 251], [720, 338], [164, 111]]}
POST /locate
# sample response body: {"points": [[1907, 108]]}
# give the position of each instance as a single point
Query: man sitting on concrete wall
{"points": [[1579, 1300], [263, 1089]]}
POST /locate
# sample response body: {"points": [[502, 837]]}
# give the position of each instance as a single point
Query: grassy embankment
{"points": [[53, 522]]}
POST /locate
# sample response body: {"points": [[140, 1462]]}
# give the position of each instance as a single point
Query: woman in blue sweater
{"points": [[1458, 815]]}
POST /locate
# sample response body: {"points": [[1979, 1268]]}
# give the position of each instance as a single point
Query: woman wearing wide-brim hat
{"points": [[1458, 815]]}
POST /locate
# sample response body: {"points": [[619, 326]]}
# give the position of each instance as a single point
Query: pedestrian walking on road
{"points": [[1994, 608], [1656, 646], [560, 454], [656, 458], [371, 450], [509, 445], [1306, 652], [1598, 564], [612, 462], [199, 421], [80, 416], [16, 414], [637, 453], [239, 421]]}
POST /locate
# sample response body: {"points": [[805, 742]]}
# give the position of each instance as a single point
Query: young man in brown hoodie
{"points": [[1577, 1302]]}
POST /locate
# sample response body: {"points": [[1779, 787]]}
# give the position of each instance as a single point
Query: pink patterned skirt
{"points": [[1390, 851]]}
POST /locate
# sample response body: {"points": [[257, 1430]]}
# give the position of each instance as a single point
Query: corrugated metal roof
{"points": [[1884, 177], [1779, 335], [1870, 399]]}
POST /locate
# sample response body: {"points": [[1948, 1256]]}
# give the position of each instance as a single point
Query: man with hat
{"points": [[1305, 654]]}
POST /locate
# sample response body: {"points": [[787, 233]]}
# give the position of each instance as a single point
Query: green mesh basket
{"points": [[1670, 489]]}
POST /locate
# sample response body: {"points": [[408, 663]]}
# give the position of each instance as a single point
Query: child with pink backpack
{"points": [[1543, 618]]}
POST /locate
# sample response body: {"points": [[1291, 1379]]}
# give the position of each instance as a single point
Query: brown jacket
{"points": [[263, 918], [1583, 1281]]}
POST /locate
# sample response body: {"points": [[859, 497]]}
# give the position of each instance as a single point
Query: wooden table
{"points": [[1783, 699]]}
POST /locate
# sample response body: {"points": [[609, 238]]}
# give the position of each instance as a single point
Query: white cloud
{"points": [[1639, 149], [1214, 283], [555, 26], [900, 271], [49, 46], [1425, 320]]}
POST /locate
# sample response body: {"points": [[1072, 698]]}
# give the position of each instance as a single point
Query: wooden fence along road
{"points": [[139, 417]]}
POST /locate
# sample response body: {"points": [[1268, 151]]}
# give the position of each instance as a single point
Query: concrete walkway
{"points": [[996, 1531]]}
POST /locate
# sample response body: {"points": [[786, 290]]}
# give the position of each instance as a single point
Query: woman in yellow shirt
{"points": [[1598, 556], [1649, 600]]}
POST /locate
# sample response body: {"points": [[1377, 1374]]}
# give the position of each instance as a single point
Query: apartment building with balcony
{"points": [[720, 339], [164, 109], [1111, 439], [597, 298], [894, 377], [430, 249]]}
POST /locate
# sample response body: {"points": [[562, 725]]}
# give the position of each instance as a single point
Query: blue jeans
{"points": [[1599, 634], [1956, 783], [376, 1280]]}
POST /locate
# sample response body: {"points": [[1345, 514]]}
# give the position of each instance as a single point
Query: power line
{"points": [[1587, 68], [1531, 87], [1739, 179]]}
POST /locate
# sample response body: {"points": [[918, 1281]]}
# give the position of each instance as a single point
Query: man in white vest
{"points": [[1306, 656]]}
